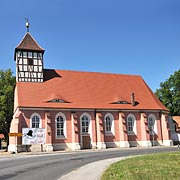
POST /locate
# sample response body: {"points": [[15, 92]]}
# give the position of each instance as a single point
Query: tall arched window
{"points": [[152, 124], [60, 125], [84, 124], [35, 121], [109, 124], [131, 125]]}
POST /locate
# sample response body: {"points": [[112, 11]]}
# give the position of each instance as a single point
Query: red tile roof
{"points": [[177, 119], [28, 43], [87, 90]]}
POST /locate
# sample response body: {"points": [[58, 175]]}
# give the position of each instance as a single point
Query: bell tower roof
{"points": [[28, 43]]}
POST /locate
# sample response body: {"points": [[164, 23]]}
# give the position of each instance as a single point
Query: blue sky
{"points": [[138, 37]]}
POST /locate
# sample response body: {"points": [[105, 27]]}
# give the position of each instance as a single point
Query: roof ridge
{"points": [[107, 73]]}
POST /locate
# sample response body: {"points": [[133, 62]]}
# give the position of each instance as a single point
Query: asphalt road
{"points": [[53, 166]]}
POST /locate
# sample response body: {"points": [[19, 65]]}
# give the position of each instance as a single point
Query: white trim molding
{"points": [[134, 131], [111, 132]]}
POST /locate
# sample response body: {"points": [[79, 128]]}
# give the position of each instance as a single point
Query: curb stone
{"points": [[91, 171]]}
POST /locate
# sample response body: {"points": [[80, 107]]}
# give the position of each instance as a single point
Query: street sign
{"points": [[15, 134]]}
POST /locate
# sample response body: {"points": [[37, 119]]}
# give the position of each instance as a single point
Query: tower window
{"points": [[29, 54], [30, 61], [19, 54]]}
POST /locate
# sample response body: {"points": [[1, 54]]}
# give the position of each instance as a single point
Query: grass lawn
{"points": [[161, 166]]}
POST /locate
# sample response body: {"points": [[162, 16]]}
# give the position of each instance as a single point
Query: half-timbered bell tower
{"points": [[29, 60]]}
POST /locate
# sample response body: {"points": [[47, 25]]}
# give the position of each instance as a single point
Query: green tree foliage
{"points": [[169, 93], [7, 84]]}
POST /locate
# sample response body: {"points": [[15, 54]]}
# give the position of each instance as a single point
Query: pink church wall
{"points": [[73, 127]]}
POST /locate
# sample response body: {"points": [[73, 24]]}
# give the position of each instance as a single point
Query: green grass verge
{"points": [[161, 166]]}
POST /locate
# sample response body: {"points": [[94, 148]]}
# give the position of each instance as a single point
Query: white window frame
{"points": [[111, 131], [81, 118], [133, 132], [64, 126], [40, 121], [154, 131]]}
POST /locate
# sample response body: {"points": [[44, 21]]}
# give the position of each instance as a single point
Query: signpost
{"points": [[15, 135]]}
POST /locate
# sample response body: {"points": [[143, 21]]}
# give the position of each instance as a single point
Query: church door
{"points": [[85, 132]]}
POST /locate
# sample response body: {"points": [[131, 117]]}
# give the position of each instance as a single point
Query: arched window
{"points": [[84, 124], [35, 121], [60, 125], [131, 125], [109, 124], [152, 124]]}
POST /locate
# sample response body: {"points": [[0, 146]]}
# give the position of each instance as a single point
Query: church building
{"points": [[82, 110]]}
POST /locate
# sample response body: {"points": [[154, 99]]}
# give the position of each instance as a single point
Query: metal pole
{"points": [[15, 144], [153, 136], [41, 147]]}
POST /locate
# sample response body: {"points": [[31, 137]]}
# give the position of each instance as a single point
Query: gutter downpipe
{"points": [[161, 125], [95, 126]]}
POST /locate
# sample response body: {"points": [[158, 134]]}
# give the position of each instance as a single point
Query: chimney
{"points": [[133, 99]]}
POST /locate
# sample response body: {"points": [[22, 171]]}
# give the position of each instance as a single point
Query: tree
{"points": [[7, 84], [169, 93]]}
